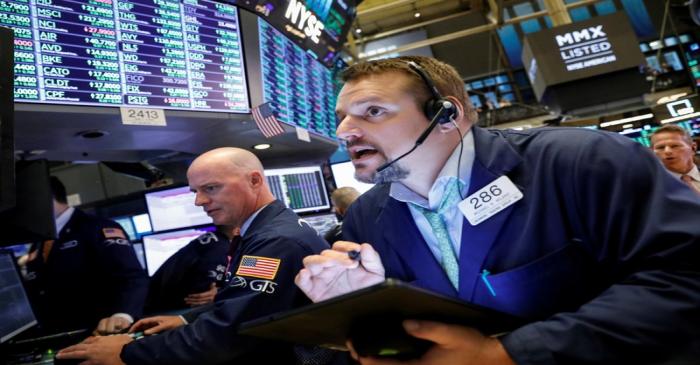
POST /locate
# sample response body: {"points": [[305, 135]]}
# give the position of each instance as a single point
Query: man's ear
{"points": [[256, 178]]}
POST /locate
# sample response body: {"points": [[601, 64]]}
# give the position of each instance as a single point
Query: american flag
{"points": [[265, 119], [258, 267]]}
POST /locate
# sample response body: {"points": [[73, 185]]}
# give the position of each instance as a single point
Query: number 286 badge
{"points": [[489, 200]]}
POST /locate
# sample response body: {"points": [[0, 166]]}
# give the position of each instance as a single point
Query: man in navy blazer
{"points": [[582, 233], [230, 186]]}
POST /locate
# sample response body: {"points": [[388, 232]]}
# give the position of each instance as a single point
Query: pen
{"points": [[136, 335], [354, 255]]}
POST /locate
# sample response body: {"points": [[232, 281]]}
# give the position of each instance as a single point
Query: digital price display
{"points": [[300, 89], [149, 53], [300, 188]]}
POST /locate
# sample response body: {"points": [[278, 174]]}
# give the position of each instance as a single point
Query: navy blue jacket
{"points": [[91, 272], [190, 270], [276, 233], [601, 254]]}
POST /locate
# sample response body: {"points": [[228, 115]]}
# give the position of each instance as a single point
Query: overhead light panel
{"points": [[626, 120], [680, 117]]}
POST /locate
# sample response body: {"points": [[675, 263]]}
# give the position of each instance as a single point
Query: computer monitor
{"points": [[31, 219], [344, 175], [128, 226], [16, 313], [20, 249], [159, 247], [183, 55], [300, 188], [142, 224], [140, 254], [174, 208], [322, 223], [135, 226]]}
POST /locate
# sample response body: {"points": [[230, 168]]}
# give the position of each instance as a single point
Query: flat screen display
{"points": [[174, 208], [147, 53], [159, 247], [344, 175], [320, 26], [15, 311], [142, 223], [300, 188], [300, 89], [128, 226], [579, 50], [135, 225], [140, 255]]}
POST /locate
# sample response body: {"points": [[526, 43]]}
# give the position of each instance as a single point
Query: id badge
{"points": [[489, 200]]}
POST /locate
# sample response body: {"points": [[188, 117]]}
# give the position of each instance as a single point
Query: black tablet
{"points": [[372, 318]]}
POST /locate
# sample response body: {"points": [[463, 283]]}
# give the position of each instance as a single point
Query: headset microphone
{"points": [[420, 138], [437, 109]]}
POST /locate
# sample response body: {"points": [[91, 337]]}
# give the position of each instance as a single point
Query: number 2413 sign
{"points": [[143, 116]]}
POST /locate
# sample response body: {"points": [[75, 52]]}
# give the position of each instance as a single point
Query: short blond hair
{"points": [[672, 128], [343, 197]]}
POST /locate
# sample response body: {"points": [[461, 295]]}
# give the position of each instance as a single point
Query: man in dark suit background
{"points": [[89, 277]]}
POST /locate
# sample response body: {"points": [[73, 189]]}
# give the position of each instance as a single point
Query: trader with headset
{"points": [[580, 232]]}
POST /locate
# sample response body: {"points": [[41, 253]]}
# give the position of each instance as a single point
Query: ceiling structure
{"points": [[378, 19], [377, 16]]}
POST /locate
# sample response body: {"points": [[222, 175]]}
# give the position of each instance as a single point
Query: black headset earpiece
{"points": [[436, 101], [437, 109]]}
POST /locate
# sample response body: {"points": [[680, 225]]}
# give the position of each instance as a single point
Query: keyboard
{"points": [[40, 350]]}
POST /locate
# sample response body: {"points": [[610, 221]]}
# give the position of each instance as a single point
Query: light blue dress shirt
{"points": [[453, 217]]}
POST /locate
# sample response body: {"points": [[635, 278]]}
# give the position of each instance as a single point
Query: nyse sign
{"points": [[585, 48], [303, 19]]}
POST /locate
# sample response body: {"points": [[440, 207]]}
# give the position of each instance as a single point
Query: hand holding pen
{"points": [[346, 267]]}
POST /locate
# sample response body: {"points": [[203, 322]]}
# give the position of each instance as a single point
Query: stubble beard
{"points": [[393, 173]]}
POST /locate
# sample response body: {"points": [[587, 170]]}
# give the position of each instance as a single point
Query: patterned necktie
{"points": [[689, 181], [450, 198]]}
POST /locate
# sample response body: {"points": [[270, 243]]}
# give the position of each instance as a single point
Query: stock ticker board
{"points": [[300, 89], [158, 53]]}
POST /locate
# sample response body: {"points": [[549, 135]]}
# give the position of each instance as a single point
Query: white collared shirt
{"points": [[63, 219], [453, 217], [693, 173]]}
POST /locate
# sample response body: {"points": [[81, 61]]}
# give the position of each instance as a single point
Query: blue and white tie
{"points": [[450, 198]]}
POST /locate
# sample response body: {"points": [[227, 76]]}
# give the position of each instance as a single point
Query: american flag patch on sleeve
{"points": [[113, 233], [258, 267]]}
